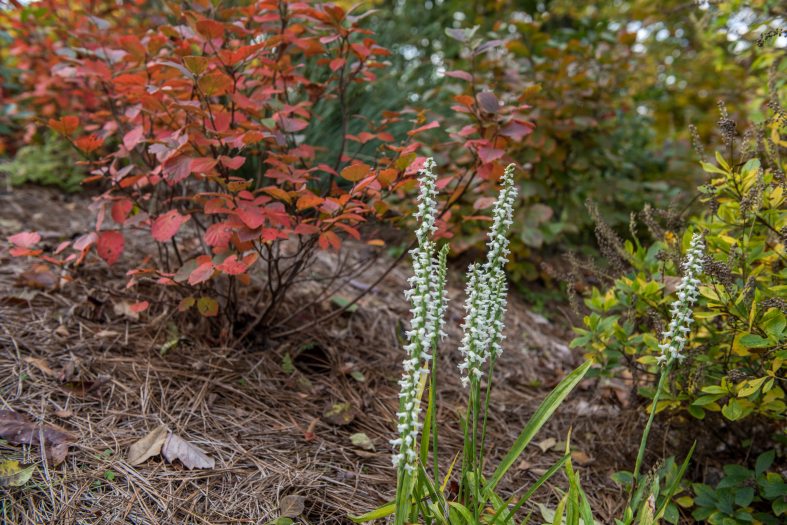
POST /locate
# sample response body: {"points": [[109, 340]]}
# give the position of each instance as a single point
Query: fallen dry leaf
{"points": [[14, 474], [524, 465], [41, 365], [340, 414], [148, 446], [106, 334], [39, 276], [292, 506], [68, 372], [546, 444], [18, 429], [81, 389], [580, 457], [124, 308], [190, 455], [361, 440]]}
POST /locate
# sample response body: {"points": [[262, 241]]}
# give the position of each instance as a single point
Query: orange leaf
{"points": [[309, 200], [278, 193], [431, 125], [387, 176], [89, 143], [64, 126], [355, 172], [330, 240]]}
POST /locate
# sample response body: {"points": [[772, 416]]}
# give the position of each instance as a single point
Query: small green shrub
{"points": [[743, 495], [50, 163]]}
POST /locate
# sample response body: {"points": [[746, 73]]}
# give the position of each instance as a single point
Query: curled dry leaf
{"points": [[148, 446], [190, 455], [18, 429]]}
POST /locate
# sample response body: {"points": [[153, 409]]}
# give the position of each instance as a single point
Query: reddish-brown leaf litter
{"points": [[139, 414]]}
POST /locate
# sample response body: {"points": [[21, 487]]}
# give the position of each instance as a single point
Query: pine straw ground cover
{"points": [[75, 357]]}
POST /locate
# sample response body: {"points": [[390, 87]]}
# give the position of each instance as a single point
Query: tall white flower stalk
{"points": [[676, 335], [428, 302], [486, 289]]}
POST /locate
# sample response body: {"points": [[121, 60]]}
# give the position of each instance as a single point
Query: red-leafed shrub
{"points": [[191, 119]]}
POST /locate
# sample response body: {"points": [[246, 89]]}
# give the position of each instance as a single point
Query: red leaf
{"points": [[202, 164], [110, 246], [431, 125], [85, 241], [232, 163], [291, 125], [488, 154], [25, 239], [232, 266], [166, 226], [250, 214], [64, 126], [462, 75], [219, 234], [202, 273], [337, 63], [89, 143], [306, 229], [139, 307], [483, 203], [132, 138], [517, 130], [210, 28], [120, 210], [176, 169]]}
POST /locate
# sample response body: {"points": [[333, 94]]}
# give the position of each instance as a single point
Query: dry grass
{"points": [[264, 426]]}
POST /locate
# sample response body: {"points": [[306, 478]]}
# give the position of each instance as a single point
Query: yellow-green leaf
{"points": [[14, 474]]}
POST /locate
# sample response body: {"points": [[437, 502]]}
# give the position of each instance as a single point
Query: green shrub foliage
{"points": [[736, 357]]}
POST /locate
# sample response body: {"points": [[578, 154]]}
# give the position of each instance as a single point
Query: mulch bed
{"points": [[73, 356]]}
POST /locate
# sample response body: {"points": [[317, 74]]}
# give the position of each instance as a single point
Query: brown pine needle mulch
{"points": [[74, 356]]}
